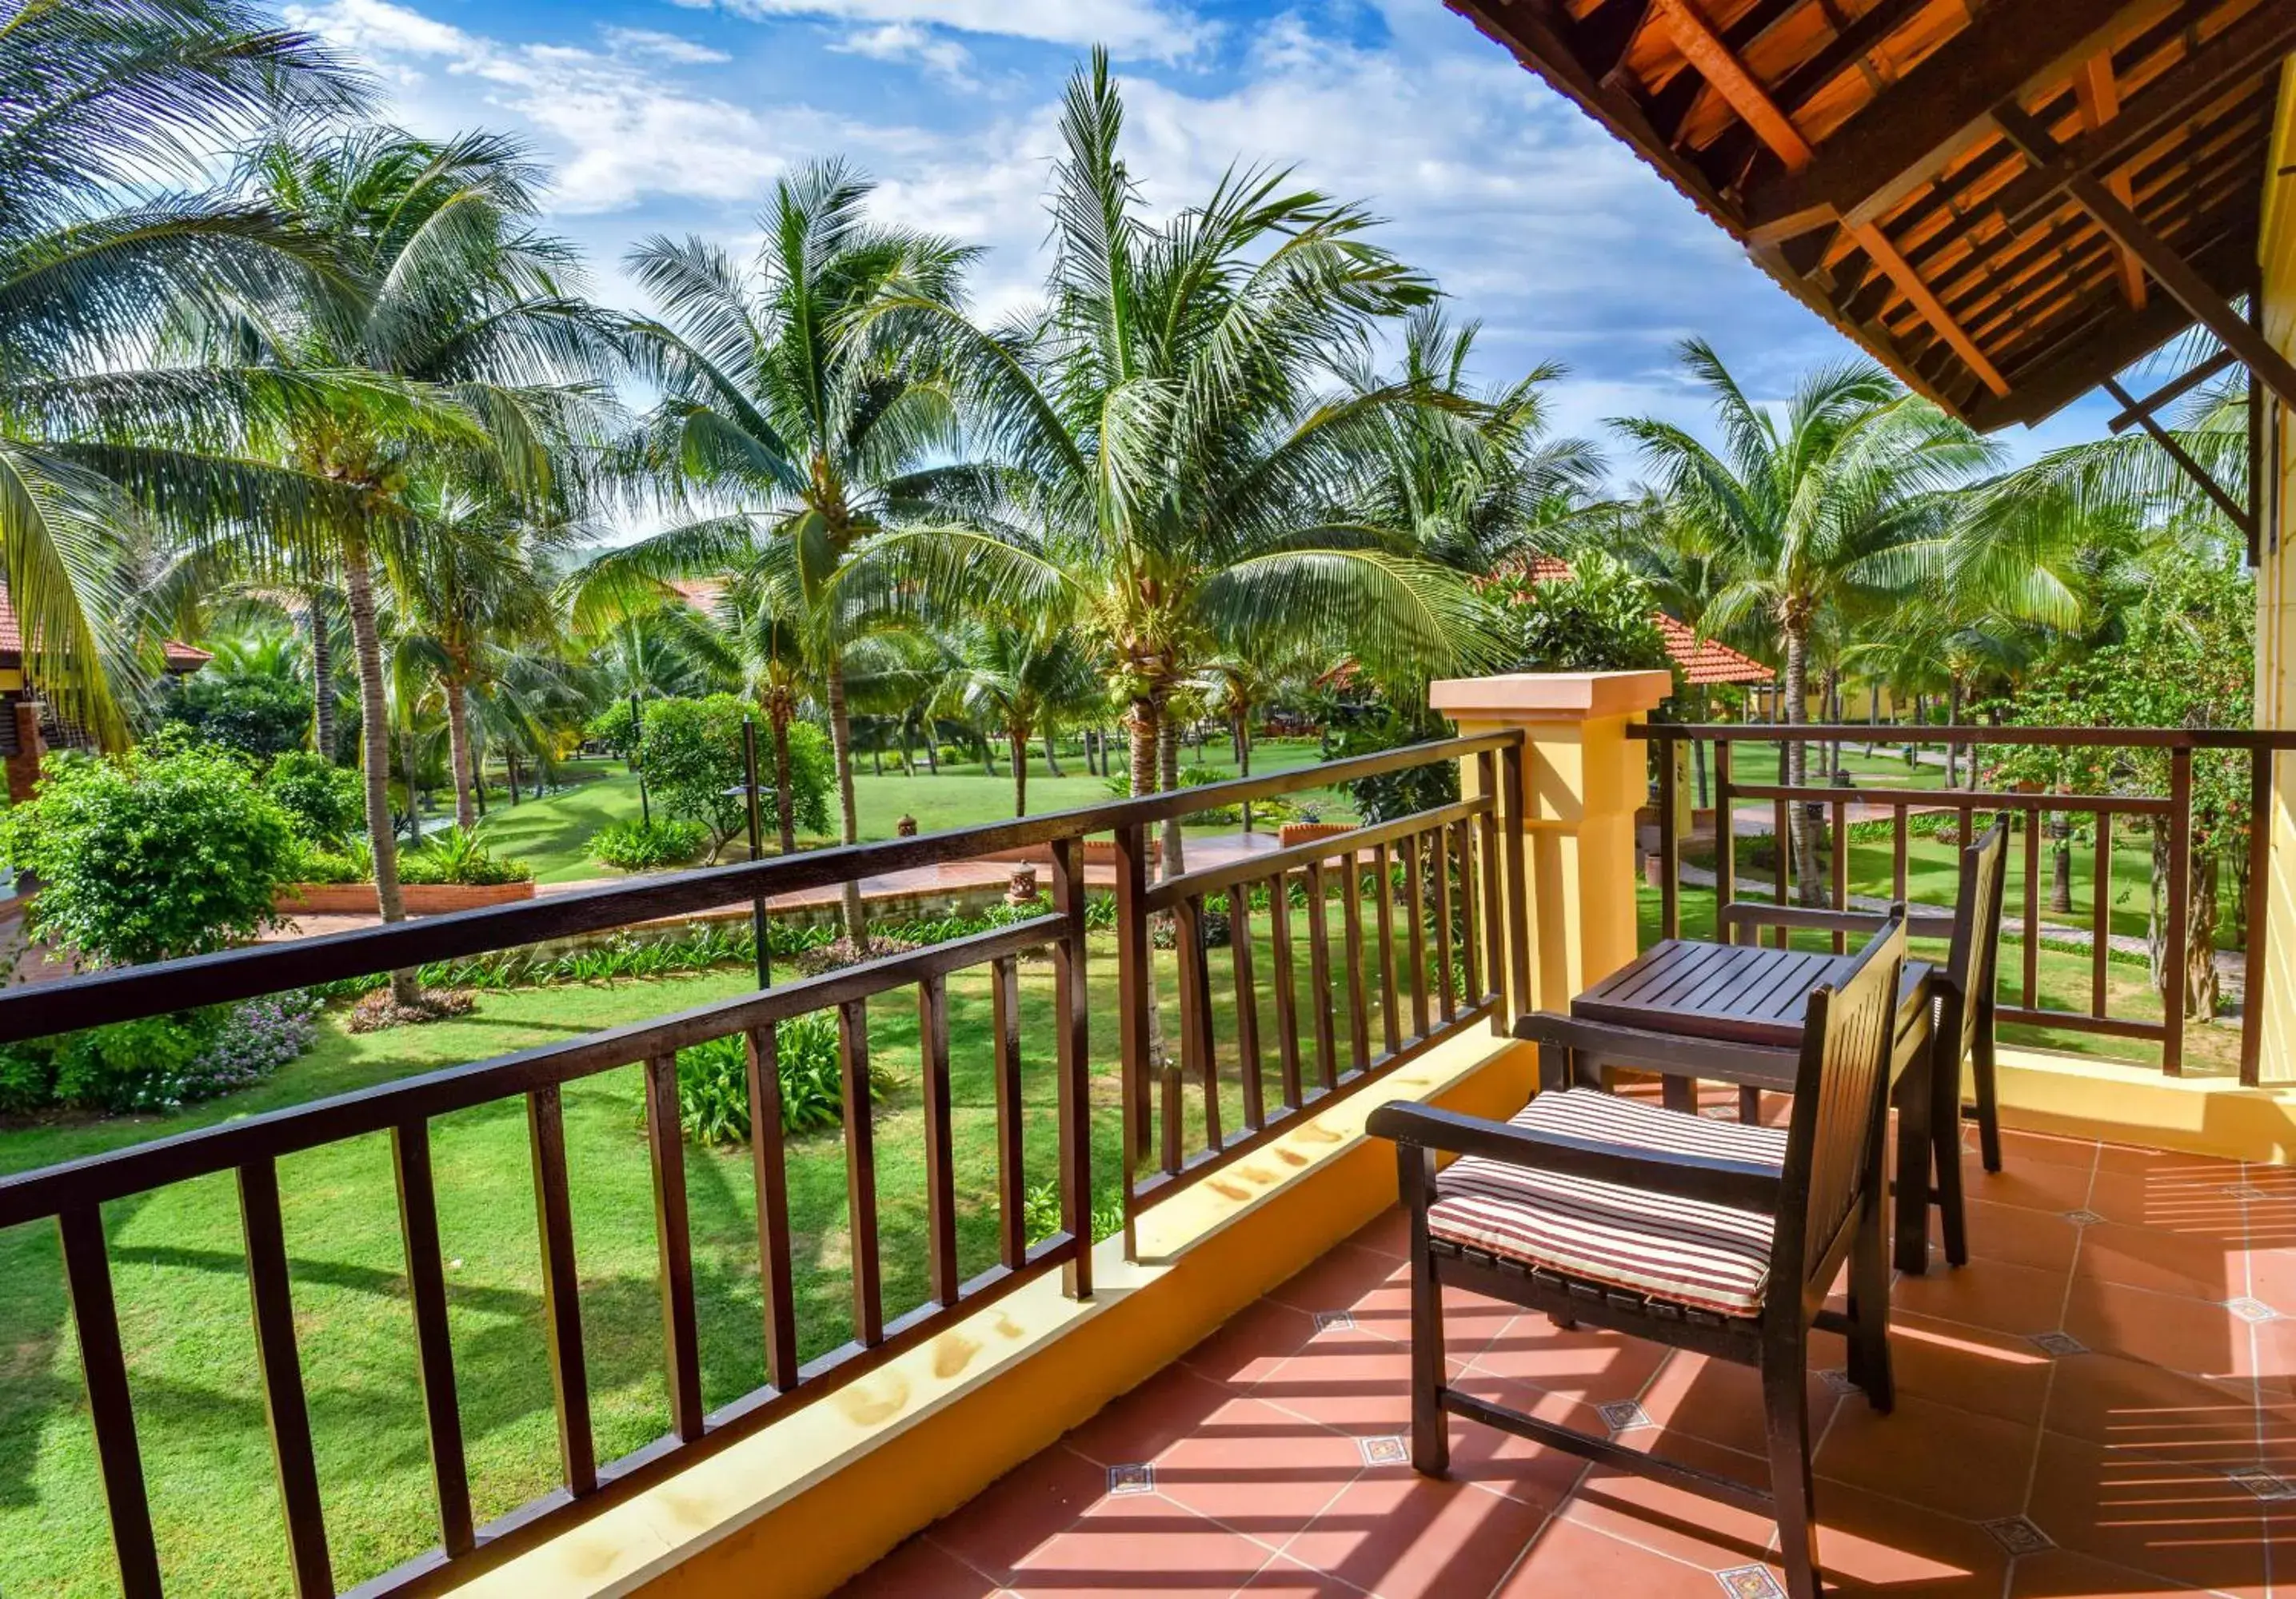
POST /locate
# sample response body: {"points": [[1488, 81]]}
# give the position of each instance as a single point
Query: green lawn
{"points": [[553, 835], [179, 1269]]}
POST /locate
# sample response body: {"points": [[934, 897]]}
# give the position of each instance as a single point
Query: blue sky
{"points": [[675, 116]]}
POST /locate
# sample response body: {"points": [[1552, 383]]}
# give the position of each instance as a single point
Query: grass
{"points": [[553, 835]]}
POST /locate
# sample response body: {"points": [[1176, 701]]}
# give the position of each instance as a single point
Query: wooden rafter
{"points": [[2100, 103], [1907, 133], [2169, 269], [2171, 391], [2238, 514]]}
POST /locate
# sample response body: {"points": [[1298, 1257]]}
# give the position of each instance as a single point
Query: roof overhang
{"points": [[2006, 203]]}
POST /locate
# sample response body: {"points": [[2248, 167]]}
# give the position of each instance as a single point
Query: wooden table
{"points": [[1738, 993]]}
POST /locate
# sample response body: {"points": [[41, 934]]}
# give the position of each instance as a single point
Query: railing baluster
{"points": [[681, 1333], [860, 1171], [1247, 1006], [1470, 955], [2259, 910], [1725, 846], [1781, 840], [2180, 906], [1198, 1051], [1900, 833], [1415, 910], [1841, 870], [1011, 1172], [2030, 976], [1446, 1000], [561, 1293], [1287, 984], [282, 1369], [771, 1173], [1134, 996], [434, 1348], [1494, 925], [103, 1363], [2100, 915], [1072, 1013], [1390, 1020], [1355, 977], [940, 1145], [1319, 977], [1518, 880], [1669, 846]]}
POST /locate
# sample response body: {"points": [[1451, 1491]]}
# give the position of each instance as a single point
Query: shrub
{"points": [[813, 777], [159, 1062], [255, 1039], [647, 847], [456, 855], [1040, 1213], [311, 864], [321, 799], [258, 716], [713, 1085], [28, 1080], [132, 1065], [168, 850]]}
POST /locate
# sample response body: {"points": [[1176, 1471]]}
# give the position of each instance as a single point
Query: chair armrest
{"points": [[1744, 1184], [1669, 1055]]}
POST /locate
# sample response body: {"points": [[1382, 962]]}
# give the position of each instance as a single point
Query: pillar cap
{"points": [[1549, 696]]}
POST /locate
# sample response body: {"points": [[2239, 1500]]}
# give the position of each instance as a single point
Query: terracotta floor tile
{"points": [[1339, 1279], [1586, 1363], [1282, 1578], [1674, 1521], [2035, 1185], [1947, 1459], [1974, 1368], [2138, 1409], [2180, 1522], [1258, 1469], [2185, 1200], [1144, 1424], [1253, 1344], [1990, 1293], [2161, 1261], [2060, 1574], [2169, 1330], [2041, 1240], [1570, 1558], [1867, 1541], [1360, 1386], [1402, 1536], [1391, 1234], [1021, 1510], [2043, 1148], [1137, 1545], [1469, 1320], [919, 1569], [2124, 1158], [1720, 1402], [1509, 1464]]}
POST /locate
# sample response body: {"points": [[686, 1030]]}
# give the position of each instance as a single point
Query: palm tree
{"points": [[105, 436], [1810, 509], [786, 441], [1156, 461], [1023, 679], [476, 354]]}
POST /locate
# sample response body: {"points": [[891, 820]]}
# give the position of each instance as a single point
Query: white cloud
{"points": [[661, 46], [905, 41], [1133, 29]]}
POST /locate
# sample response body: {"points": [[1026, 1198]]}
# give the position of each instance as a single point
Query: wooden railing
{"points": [[2028, 811], [1446, 856]]}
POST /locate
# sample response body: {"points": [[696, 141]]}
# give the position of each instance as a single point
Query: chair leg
{"points": [[1989, 1106], [1749, 1106], [1914, 1140], [1431, 1430], [1945, 1144], [1785, 1409], [1869, 1310]]}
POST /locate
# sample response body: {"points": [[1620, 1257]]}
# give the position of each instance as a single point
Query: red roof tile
{"points": [[1701, 659], [181, 657]]}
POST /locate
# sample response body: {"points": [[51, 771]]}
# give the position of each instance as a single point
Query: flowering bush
{"points": [[256, 1039], [159, 1062]]}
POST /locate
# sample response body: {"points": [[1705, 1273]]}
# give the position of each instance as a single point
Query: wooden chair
{"points": [[1704, 1235], [1951, 1021]]}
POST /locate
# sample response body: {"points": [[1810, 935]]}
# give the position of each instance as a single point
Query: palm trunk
{"points": [[323, 679], [785, 804], [1953, 750], [1800, 821], [458, 754], [510, 775], [989, 755], [1017, 740], [932, 751], [1052, 756], [2061, 865], [1168, 774], [374, 749], [849, 814], [1243, 755]]}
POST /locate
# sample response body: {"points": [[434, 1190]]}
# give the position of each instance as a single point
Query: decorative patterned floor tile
{"points": [[1126, 1479], [1837, 1380], [2251, 1310], [1335, 1321], [2057, 1345], [2083, 1218], [2245, 1190], [1750, 1582], [2264, 1483], [1389, 1449], [2019, 1536], [1623, 1415]]}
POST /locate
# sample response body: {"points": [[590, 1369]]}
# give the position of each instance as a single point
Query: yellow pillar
{"points": [[2275, 610], [1583, 781]]}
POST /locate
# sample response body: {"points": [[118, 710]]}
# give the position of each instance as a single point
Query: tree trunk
{"points": [[1167, 777], [1952, 750], [458, 756], [1051, 757], [1018, 740], [510, 775], [988, 755], [849, 814], [932, 751], [323, 679], [374, 750], [1805, 821], [1243, 755], [876, 763], [2061, 868], [2191, 976], [784, 802], [908, 768]]}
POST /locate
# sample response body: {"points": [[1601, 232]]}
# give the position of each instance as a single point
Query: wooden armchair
{"points": [[1704, 1235]]}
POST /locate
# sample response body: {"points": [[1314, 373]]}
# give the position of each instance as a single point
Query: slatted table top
{"points": [[1740, 993]]}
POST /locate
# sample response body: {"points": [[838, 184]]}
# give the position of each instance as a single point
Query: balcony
{"points": [[1203, 1391]]}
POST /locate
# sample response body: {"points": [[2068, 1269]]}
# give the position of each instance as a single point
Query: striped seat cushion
{"points": [[1691, 1253]]}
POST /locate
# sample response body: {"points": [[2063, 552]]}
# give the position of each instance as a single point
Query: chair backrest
{"points": [[1975, 954], [1839, 1094]]}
